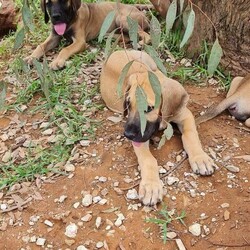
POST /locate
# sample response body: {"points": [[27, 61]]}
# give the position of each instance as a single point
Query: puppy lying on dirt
{"points": [[237, 102], [172, 109], [80, 23]]}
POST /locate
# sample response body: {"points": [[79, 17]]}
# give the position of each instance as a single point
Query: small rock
{"points": [[87, 200], [232, 168], [26, 239], [99, 244], [180, 244], [178, 158], [81, 247], [206, 229], [71, 230], [132, 194], [195, 229], [114, 119], [86, 218], [48, 223], [226, 215], [171, 180], [224, 205], [119, 220], [40, 241], [3, 207], [171, 235], [69, 242], [98, 222], [62, 198], [103, 201], [96, 199], [192, 193], [102, 179], [84, 143], [69, 167], [47, 131], [33, 239], [76, 205], [162, 170], [6, 157]]}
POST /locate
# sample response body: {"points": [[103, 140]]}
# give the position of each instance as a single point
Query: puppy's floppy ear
{"points": [[44, 9], [174, 98], [75, 5]]}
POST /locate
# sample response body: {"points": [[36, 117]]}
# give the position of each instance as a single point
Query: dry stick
{"points": [[243, 128], [229, 245], [177, 165], [16, 207]]}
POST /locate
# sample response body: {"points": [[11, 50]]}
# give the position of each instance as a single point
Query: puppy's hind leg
{"points": [[200, 162]]}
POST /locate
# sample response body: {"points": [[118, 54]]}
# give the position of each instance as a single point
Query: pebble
{"points": [[3, 206], [84, 143], [76, 204], [102, 179], [226, 215], [206, 229], [178, 158], [33, 239], [62, 198], [192, 193], [71, 230], [132, 194], [119, 220], [171, 235], [103, 201], [224, 205], [98, 222], [86, 218], [69, 167], [87, 200], [180, 244], [114, 119], [162, 170], [96, 199], [48, 223], [40, 241], [81, 247], [99, 244], [171, 180], [232, 168], [47, 131], [195, 229]]}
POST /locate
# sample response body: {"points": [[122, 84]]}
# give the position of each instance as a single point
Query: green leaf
{"points": [[27, 17], [214, 58], [141, 102], [106, 25], [19, 39], [122, 78], [133, 31], [168, 132], [152, 52], [155, 32], [108, 47], [181, 5], [185, 15], [3, 90], [156, 86], [171, 15], [189, 29], [162, 142]]}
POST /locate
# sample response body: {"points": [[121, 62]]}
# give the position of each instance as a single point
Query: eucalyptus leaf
{"points": [[27, 17], [108, 47], [122, 77], [155, 32], [214, 58], [189, 28], [185, 15], [181, 5], [162, 142], [106, 25], [168, 132], [156, 86], [152, 52], [19, 39], [141, 102], [133, 28], [171, 16], [3, 91]]}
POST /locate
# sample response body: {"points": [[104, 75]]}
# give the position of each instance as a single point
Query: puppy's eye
{"points": [[149, 109]]}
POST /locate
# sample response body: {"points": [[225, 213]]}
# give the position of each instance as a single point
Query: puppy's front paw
{"points": [[202, 164], [151, 191], [57, 64]]}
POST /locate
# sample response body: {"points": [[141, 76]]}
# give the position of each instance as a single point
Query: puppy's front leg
{"points": [[50, 43], [151, 187], [200, 162], [78, 45]]}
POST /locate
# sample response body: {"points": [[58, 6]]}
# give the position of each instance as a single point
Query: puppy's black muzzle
{"points": [[132, 130]]}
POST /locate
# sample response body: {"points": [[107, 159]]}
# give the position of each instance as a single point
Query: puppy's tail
{"points": [[215, 110]]}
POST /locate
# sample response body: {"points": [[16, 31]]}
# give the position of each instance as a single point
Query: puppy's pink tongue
{"points": [[60, 28], [136, 144]]}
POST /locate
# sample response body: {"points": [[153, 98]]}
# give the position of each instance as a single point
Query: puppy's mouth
{"points": [[60, 28], [136, 144]]}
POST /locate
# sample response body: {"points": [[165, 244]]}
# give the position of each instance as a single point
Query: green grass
{"points": [[165, 218]]}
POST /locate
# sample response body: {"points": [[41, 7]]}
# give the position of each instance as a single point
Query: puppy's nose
{"points": [[130, 134], [56, 16]]}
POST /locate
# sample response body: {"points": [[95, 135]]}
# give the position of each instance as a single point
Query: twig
{"points": [[228, 245], [17, 207], [243, 128], [177, 165]]}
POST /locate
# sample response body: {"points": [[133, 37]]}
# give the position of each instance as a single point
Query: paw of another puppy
{"points": [[202, 164], [151, 192], [57, 64], [29, 60]]}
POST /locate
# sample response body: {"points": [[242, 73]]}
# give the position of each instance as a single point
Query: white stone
{"points": [[62, 198], [81, 247], [96, 199], [86, 218], [224, 205], [47, 131], [195, 229], [98, 222], [232, 168], [48, 223], [171, 180], [162, 170], [171, 235], [132, 194], [84, 143], [99, 244], [3, 206], [33, 239], [102, 179], [69, 167], [103, 201], [76, 204], [71, 230], [180, 244], [40, 241], [87, 200]]}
